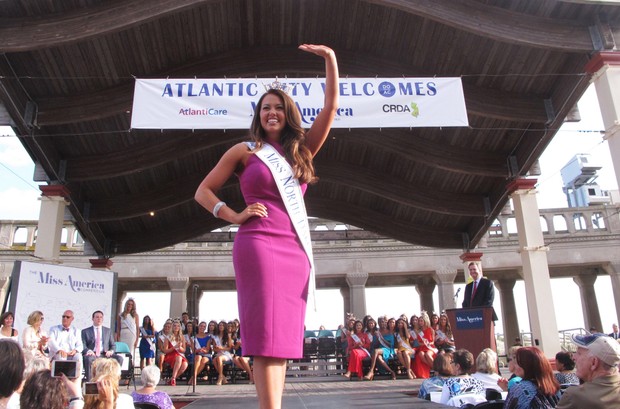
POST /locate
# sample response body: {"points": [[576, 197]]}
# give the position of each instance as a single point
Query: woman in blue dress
{"points": [[147, 342], [385, 347]]}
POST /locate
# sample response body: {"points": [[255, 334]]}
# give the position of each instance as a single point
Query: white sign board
{"points": [[364, 102], [53, 289]]}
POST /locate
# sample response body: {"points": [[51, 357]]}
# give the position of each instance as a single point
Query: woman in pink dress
{"points": [[271, 267]]}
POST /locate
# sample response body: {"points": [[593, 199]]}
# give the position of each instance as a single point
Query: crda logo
{"points": [[411, 109]]}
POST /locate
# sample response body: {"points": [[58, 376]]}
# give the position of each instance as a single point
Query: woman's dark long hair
{"points": [[147, 323], [292, 139]]}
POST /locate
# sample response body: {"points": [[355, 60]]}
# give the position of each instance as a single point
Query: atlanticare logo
{"points": [[82, 286], [203, 112]]}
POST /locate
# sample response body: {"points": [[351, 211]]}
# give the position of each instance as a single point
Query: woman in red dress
{"points": [[359, 343], [175, 352], [426, 350]]}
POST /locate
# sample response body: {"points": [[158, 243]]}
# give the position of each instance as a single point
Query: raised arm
{"points": [[317, 134]]}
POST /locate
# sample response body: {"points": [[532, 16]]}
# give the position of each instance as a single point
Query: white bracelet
{"points": [[217, 207]]}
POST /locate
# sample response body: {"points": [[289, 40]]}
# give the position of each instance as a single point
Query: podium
{"points": [[473, 328]]}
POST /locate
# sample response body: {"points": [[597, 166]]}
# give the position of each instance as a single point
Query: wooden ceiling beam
{"points": [[499, 24], [433, 154], [387, 187], [118, 100], [34, 33]]}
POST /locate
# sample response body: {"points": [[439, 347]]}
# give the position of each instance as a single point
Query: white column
{"points": [[444, 277], [357, 293], [535, 267], [613, 269], [605, 70], [51, 219], [178, 295]]}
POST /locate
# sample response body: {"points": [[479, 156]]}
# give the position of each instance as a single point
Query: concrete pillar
{"points": [[51, 219], [591, 314], [357, 288], [346, 302], [194, 294], [425, 291], [535, 267], [613, 269], [32, 230], [509, 311], [605, 70], [178, 297], [4, 288], [444, 278]]}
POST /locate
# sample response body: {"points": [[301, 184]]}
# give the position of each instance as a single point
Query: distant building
{"points": [[579, 176]]}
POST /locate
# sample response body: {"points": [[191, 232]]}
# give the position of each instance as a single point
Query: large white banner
{"points": [[364, 102], [53, 289]]}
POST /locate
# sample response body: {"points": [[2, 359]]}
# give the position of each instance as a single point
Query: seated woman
{"points": [[462, 383], [442, 365], [221, 344], [239, 360], [538, 389], [404, 351], [175, 352], [358, 345], [107, 373], [34, 338], [486, 369], [189, 335], [385, 349], [150, 378], [565, 366], [426, 351], [162, 337], [507, 384], [6, 327], [202, 354], [370, 328], [444, 339]]}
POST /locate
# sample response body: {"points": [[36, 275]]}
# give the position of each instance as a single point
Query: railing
{"points": [[593, 220]]}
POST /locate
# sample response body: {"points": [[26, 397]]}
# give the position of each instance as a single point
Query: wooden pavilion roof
{"points": [[67, 73]]}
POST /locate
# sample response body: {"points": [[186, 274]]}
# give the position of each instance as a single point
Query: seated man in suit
{"points": [[480, 292], [98, 342], [65, 341]]}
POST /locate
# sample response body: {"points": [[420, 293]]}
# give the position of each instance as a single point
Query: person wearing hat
{"points": [[597, 359]]}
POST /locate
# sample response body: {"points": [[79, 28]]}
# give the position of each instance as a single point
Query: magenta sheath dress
{"points": [[271, 271]]}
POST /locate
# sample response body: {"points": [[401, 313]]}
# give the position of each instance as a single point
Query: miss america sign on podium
{"points": [[364, 102]]}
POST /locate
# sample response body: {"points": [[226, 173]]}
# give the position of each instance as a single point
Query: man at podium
{"points": [[480, 292]]}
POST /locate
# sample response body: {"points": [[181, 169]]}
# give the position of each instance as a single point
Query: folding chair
{"points": [[127, 370]]}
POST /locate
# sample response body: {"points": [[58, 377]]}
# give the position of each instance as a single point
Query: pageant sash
{"points": [[217, 340], [149, 340], [426, 342], [403, 344], [291, 194], [129, 323], [382, 340], [359, 341]]}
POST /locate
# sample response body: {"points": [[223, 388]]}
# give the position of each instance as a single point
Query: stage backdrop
{"points": [[364, 102], [53, 289]]}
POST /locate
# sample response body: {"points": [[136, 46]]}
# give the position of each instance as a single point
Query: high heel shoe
{"points": [[369, 377], [347, 375], [393, 374], [411, 375], [219, 381]]}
